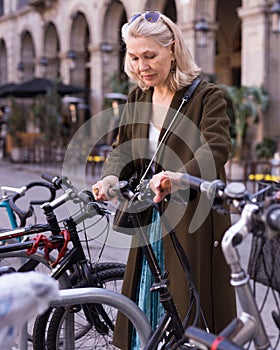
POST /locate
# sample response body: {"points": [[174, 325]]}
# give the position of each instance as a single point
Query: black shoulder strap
{"points": [[190, 90]]}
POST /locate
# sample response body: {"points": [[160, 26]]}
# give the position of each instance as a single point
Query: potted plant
{"points": [[265, 150], [16, 124], [246, 106]]}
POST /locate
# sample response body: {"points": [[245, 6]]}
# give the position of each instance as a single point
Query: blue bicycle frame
{"points": [[4, 203]]}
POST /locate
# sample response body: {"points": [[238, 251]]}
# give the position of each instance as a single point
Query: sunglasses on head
{"points": [[149, 16]]}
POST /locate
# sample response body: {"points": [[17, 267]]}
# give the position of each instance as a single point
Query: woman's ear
{"points": [[172, 49]]}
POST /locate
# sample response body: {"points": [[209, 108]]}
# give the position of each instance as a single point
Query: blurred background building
{"points": [[77, 42]]}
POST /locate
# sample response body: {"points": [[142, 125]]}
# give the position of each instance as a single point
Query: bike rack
{"points": [[104, 296]]}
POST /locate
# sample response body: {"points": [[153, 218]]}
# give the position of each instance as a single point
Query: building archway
{"points": [[79, 43], [51, 52], [3, 63], [112, 47], [228, 43], [79, 64], [26, 65]]}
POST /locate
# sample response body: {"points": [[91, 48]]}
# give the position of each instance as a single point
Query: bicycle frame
{"points": [[240, 281], [171, 316], [4, 203]]}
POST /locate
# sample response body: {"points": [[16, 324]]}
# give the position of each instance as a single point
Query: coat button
{"points": [[216, 243]]}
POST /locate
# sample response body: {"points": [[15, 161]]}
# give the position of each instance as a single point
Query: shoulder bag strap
{"points": [[187, 96]]}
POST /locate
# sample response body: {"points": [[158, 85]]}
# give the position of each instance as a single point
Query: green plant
{"points": [[243, 103], [16, 121], [119, 83], [266, 148], [46, 112]]}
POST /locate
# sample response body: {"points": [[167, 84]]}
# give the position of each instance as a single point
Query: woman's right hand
{"points": [[164, 183], [101, 189]]}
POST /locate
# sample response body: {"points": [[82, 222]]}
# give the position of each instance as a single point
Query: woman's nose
{"points": [[143, 65]]}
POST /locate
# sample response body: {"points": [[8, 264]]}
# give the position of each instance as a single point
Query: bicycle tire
{"points": [[44, 326]]}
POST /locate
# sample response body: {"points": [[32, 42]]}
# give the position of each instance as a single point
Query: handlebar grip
{"points": [[55, 180], [48, 177], [165, 184], [191, 181]]}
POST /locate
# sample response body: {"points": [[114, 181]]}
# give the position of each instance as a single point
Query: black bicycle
{"points": [[70, 265], [260, 213]]}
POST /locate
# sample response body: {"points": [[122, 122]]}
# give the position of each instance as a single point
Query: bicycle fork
{"points": [[252, 324]]}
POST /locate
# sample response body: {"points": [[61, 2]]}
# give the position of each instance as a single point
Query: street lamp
{"points": [[20, 68], [202, 28], [106, 47], [275, 15], [44, 63], [72, 56]]}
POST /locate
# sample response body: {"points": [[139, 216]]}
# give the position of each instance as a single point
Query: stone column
{"points": [[254, 43]]}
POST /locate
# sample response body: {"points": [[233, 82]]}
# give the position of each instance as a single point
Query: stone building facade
{"points": [[78, 41]]}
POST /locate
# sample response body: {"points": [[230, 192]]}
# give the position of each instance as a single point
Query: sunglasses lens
{"points": [[152, 17], [134, 17]]}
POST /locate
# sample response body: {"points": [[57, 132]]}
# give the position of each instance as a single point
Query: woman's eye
{"points": [[150, 57]]}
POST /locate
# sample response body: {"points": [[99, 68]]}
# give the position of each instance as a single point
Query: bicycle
{"points": [[170, 333], [260, 215], [71, 264], [170, 329], [17, 217]]}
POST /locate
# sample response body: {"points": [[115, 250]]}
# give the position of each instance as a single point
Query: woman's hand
{"points": [[164, 183], [101, 189]]}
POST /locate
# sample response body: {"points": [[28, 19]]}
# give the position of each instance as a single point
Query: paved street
{"points": [[116, 248]]}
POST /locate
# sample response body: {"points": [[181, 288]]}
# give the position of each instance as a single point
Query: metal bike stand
{"points": [[104, 296]]}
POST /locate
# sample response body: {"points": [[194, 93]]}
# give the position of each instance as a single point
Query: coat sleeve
{"points": [[214, 147]]}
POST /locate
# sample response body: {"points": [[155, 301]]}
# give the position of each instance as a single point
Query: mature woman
{"points": [[154, 136]]}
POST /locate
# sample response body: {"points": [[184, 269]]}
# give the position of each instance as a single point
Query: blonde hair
{"points": [[164, 32]]}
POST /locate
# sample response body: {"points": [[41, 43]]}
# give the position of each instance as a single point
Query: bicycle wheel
{"points": [[88, 322]]}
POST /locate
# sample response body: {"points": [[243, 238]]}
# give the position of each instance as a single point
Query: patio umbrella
{"points": [[40, 86], [7, 89]]}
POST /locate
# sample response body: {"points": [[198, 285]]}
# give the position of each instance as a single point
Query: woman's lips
{"points": [[148, 77]]}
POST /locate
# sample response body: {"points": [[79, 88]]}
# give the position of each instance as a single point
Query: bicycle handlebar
{"points": [[214, 190], [219, 193], [21, 191], [71, 193], [203, 340], [90, 210]]}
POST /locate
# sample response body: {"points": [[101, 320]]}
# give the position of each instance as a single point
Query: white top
{"points": [[153, 142]]}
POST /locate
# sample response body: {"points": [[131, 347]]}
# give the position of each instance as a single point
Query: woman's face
{"points": [[150, 61]]}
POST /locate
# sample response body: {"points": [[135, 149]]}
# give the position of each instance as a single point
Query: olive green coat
{"points": [[202, 153]]}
